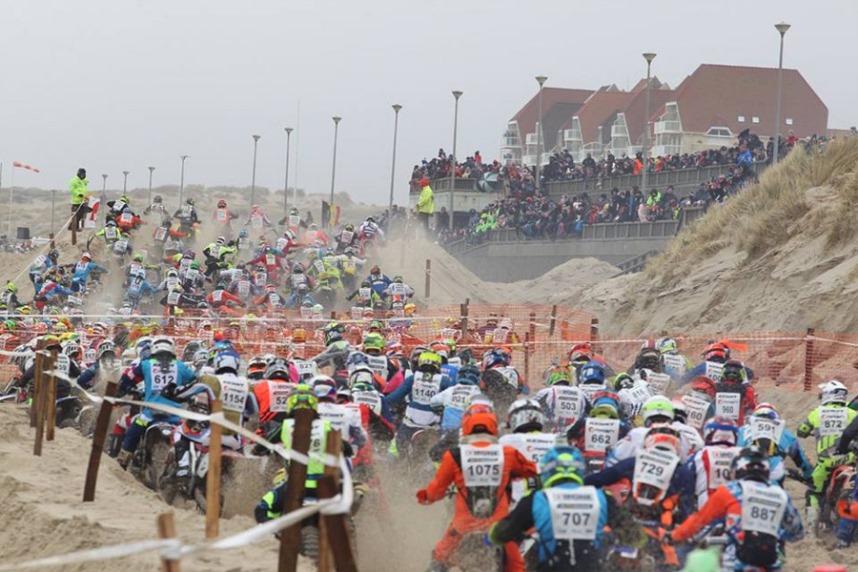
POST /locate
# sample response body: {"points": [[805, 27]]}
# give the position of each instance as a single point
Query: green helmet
{"points": [[195, 265]]}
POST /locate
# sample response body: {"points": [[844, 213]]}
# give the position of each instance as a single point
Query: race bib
{"points": [[378, 365], [601, 434], [163, 376], [278, 395], [306, 369], [187, 211], [537, 444], [161, 234], [233, 393], [697, 408], [63, 364], [763, 507], [356, 312], [192, 274], [423, 390], [244, 288], [728, 405], [270, 260], [110, 233], [364, 293], [334, 414], [171, 283], [832, 421], [173, 298], [658, 382], [217, 296], [120, 246], [461, 396], [221, 215], [184, 264], [655, 468], [319, 265], [256, 221], [126, 218], [482, 466], [714, 370], [674, 365], [261, 278], [349, 266], [500, 336], [567, 402], [306, 312], [369, 398], [346, 237], [574, 512], [720, 461], [763, 428], [274, 299]]}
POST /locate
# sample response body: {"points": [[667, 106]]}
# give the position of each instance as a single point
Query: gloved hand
{"points": [[423, 497], [667, 538], [169, 391]]}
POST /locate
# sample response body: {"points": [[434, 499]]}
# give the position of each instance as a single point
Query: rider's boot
{"points": [[811, 512], [124, 458]]}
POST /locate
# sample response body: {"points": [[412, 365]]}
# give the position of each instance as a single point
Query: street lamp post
{"points": [[182, 179], [286, 183], [150, 184], [103, 205], [456, 94], [333, 169], [540, 79], [125, 182], [782, 30], [253, 178], [648, 56], [396, 108]]}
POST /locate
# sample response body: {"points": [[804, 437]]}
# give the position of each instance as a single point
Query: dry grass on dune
{"points": [[771, 212]]}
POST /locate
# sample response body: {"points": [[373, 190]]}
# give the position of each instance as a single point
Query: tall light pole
{"points": [[782, 30], [648, 56], [540, 79], [103, 205], [182, 179], [125, 182], [396, 108], [456, 94], [288, 131], [253, 178], [333, 168], [150, 185]]}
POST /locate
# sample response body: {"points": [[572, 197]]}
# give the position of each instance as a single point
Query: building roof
{"points": [[635, 110], [717, 95], [601, 108], [558, 105]]}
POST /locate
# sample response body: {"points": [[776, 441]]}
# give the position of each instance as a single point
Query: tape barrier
{"points": [[173, 549]]}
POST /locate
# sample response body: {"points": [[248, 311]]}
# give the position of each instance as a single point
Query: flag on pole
{"points": [[90, 220], [26, 166]]}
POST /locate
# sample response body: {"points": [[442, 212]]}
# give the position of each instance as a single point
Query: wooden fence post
{"points": [[336, 526], [167, 529], [527, 342], [74, 228], [464, 311], [51, 399], [332, 447], [594, 333], [290, 538], [808, 359], [428, 271], [53, 245], [213, 475], [34, 402], [98, 437], [553, 320], [40, 403]]}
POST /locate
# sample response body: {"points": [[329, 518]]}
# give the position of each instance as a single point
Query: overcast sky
{"points": [[115, 84]]}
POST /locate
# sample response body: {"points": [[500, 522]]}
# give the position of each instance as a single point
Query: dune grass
{"points": [[768, 213]]}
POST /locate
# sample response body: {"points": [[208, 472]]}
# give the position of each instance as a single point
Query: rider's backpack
{"points": [[757, 548]]}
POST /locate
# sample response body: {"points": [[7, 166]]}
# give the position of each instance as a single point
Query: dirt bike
{"points": [[152, 452], [309, 543], [839, 487]]}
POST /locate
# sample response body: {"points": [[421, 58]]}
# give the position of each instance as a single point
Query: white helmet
{"points": [[86, 255], [163, 344], [226, 361], [525, 415], [128, 356], [832, 392]]}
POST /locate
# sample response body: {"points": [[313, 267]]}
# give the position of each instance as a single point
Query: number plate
{"points": [[233, 393], [713, 370], [659, 382], [655, 468], [697, 407], [600, 434], [763, 428], [278, 393], [763, 507], [720, 460], [832, 421], [574, 512], [482, 466], [674, 365], [728, 405]]}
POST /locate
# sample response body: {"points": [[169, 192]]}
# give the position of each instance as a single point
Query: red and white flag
{"points": [[90, 220], [26, 166]]}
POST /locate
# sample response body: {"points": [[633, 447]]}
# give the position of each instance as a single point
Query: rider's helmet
{"points": [[525, 415], [766, 410], [189, 201], [580, 353], [172, 273], [256, 368], [226, 362], [561, 464], [370, 219], [11, 287], [397, 279], [495, 357], [106, 349], [479, 421], [221, 204], [293, 211], [138, 257], [623, 381], [195, 265], [751, 464], [593, 373], [333, 333], [86, 256], [350, 227], [832, 392], [324, 388], [158, 199], [220, 241], [361, 374], [297, 268], [373, 343], [703, 385], [716, 352], [657, 409], [680, 410], [111, 222], [721, 431], [666, 346], [468, 375], [302, 398], [558, 375], [163, 346], [375, 270], [662, 438], [606, 405], [429, 362], [733, 372], [277, 369]]}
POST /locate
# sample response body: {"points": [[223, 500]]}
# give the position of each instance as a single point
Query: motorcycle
{"points": [[839, 488]]}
